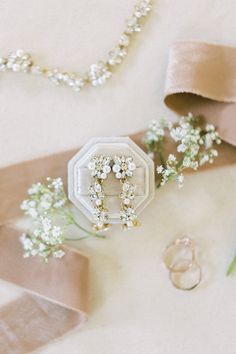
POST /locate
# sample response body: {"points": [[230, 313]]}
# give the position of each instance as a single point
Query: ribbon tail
{"points": [[55, 299]]}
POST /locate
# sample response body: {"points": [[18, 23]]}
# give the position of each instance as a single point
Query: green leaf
{"points": [[232, 266]]}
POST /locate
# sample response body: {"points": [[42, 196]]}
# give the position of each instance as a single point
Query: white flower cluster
{"points": [[44, 241], [195, 147], [43, 201], [170, 172], [209, 139], [154, 136], [123, 167]]}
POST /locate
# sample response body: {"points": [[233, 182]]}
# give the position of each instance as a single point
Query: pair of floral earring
{"points": [[123, 168]]}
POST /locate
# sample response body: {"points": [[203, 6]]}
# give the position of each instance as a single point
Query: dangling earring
{"points": [[99, 167], [123, 168]]}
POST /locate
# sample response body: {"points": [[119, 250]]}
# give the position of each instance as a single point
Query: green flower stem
{"points": [[71, 221], [232, 266], [179, 166], [66, 213], [161, 157], [76, 238]]}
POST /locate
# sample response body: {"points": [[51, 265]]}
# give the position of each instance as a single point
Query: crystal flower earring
{"points": [[123, 168], [99, 167]]}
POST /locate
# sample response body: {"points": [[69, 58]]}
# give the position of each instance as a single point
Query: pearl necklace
{"points": [[98, 74]]}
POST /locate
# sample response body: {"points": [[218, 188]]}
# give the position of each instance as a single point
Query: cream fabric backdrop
{"points": [[134, 309]]}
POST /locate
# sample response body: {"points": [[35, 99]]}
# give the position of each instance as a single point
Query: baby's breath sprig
{"points": [[47, 205], [154, 138], [195, 147]]}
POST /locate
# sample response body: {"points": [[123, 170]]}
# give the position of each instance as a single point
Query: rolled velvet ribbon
{"points": [[201, 78]]}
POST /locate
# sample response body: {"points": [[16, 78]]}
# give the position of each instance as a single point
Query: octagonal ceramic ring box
{"points": [[79, 178]]}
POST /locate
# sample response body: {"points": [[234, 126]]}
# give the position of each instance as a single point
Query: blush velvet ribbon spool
{"points": [[200, 78]]}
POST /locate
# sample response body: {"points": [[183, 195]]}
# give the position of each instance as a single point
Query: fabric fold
{"points": [[201, 78], [55, 300]]}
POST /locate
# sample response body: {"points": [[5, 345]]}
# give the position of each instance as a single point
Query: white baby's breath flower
{"points": [[47, 205], [181, 148], [171, 158], [24, 205], [195, 147], [155, 136], [180, 180], [45, 241], [208, 141], [58, 254], [35, 188], [177, 133], [46, 201], [160, 169], [29, 208], [203, 159], [55, 183], [210, 127], [56, 233], [59, 204], [43, 201], [26, 241]]}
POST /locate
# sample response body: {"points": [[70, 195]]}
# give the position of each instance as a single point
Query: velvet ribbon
{"points": [[56, 293], [200, 78]]}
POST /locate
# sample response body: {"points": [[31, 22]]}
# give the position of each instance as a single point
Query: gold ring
{"points": [[176, 277], [180, 265]]}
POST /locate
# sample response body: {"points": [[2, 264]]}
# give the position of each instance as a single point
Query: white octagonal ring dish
{"points": [[79, 178]]}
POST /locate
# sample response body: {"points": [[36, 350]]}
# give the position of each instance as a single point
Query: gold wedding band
{"points": [[184, 272], [177, 278], [181, 265]]}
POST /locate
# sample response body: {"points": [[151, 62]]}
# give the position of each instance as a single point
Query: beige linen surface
{"points": [[134, 308]]}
